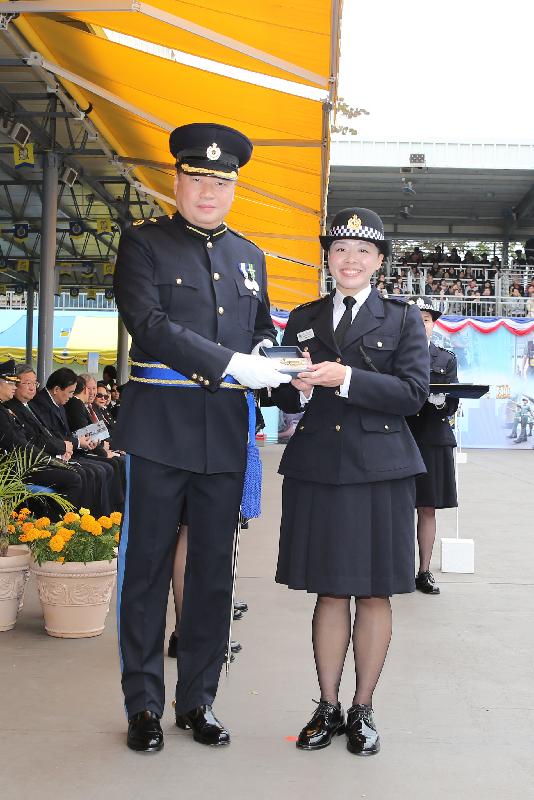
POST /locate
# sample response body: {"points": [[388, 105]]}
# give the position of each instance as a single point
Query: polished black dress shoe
{"points": [[327, 721], [235, 647], [362, 736], [173, 645], [240, 606], [144, 732], [425, 583], [205, 726], [237, 614]]}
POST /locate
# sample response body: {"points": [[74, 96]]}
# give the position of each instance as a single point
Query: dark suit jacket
{"points": [[362, 438], [36, 432], [52, 416], [431, 424], [182, 295], [78, 417]]}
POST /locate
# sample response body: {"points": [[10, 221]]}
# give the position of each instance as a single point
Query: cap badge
{"points": [[213, 152], [354, 223]]}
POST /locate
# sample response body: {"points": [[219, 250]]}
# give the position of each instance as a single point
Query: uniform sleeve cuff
{"points": [[345, 386]]}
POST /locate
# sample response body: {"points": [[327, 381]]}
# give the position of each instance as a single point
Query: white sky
{"points": [[461, 69]]}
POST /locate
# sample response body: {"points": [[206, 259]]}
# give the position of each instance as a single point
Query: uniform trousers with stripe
{"points": [[156, 494]]}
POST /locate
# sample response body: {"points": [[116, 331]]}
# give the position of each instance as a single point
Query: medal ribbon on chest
{"points": [[249, 274]]}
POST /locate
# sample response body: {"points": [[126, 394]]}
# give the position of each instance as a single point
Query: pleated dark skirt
{"points": [[436, 489], [356, 539]]}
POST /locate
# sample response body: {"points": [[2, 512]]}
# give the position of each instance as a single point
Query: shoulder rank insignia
{"points": [[138, 222]]}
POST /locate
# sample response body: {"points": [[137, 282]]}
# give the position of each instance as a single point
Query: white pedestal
{"points": [[461, 458], [457, 555]]}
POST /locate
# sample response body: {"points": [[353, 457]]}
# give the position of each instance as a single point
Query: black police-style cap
{"points": [[424, 304], [7, 371], [210, 149], [357, 223]]}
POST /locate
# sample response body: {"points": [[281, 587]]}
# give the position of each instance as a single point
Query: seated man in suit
{"points": [[54, 473], [48, 405], [95, 494]]}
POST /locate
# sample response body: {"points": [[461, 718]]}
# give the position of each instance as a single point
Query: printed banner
{"points": [[502, 356]]}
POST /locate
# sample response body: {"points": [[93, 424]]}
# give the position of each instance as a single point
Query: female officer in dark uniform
{"points": [[349, 493], [434, 436]]}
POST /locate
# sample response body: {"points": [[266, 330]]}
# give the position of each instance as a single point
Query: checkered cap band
{"points": [[365, 232]]}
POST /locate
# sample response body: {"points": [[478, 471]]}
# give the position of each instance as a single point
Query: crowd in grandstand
{"points": [[468, 283]]}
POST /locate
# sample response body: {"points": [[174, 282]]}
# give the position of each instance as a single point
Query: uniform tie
{"points": [[345, 321]]}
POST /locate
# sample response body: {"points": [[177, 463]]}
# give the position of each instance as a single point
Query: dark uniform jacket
{"points": [[13, 435], [431, 424], [36, 432], [182, 295], [362, 438]]}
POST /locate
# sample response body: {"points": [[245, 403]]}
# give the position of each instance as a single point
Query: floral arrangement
{"points": [[78, 536], [17, 470]]}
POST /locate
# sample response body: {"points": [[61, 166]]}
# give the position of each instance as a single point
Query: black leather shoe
{"points": [[144, 732], [235, 647], [205, 726], [238, 614], [240, 606], [173, 645], [327, 721], [425, 583], [362, 736]]}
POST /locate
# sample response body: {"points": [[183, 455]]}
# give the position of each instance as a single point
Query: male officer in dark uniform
{"points": [[193, 295]]}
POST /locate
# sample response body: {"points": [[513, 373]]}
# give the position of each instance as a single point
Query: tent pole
{"points": [[122, 353], [30, 301], [48, 257]]}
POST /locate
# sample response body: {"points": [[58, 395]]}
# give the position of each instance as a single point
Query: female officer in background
{"points": [[434, 436], [349, 492]]}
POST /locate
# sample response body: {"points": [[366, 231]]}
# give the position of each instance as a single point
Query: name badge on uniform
{"points": [[303, 336]]}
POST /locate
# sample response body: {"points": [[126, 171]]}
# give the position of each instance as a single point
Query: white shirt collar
{"points": [[360, 297], [52, 399]]}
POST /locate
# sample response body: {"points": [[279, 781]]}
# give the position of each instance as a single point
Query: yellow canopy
{"points": [[138, 98]]}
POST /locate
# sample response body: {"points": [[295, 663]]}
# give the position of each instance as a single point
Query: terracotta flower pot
{"points": [[14, 572], [75, 596]]}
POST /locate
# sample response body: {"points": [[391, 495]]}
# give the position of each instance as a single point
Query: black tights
{"points": [[331, 632]]}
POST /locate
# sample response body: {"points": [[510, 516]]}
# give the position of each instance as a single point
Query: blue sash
{"points": [[155, 374]]}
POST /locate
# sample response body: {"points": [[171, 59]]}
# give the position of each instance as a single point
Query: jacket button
{"points": [[338, 427], [194, 376], [206, 383], [254, 292], [200, 378], [337, 392], [338, 360], [216, 276], [209, 244], [304, 349], [178, 281], [386, 427], [379, 344], [221, 310], [301, 427], [443, 419], [219, 344]]}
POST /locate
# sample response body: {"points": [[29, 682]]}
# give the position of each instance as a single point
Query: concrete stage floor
{"points": [[455, 706]]}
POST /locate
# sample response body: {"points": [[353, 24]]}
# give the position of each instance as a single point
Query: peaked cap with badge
{"points": [[7, 371], [357, 223], [210, 149], [424, 304]]}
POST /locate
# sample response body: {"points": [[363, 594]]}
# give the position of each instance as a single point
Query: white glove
{"points": [[263, 343], [256, 372], [436, 399]]}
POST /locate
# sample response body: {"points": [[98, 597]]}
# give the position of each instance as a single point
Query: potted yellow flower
{"points": [[75, 567], [17, 470]]}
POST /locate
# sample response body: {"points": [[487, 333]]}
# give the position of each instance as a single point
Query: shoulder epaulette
{"points": [[242, 236], [446, 350], [395, 299], [152, 220], [311, 303]]}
